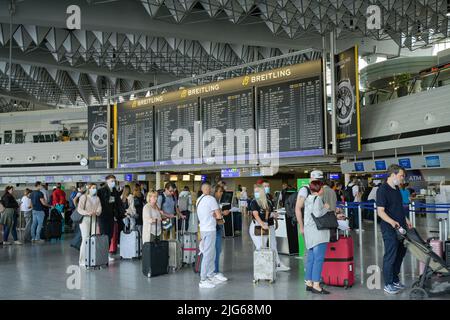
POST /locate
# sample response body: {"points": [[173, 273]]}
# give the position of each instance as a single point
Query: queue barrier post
{"points": [[375, 222]]}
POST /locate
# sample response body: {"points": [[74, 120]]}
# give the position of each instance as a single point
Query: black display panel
{"points": [[295, 108], [135, 136], [231, 111], [183, 115]]}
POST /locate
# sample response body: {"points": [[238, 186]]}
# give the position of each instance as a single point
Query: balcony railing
{"points": [[19, 137]]}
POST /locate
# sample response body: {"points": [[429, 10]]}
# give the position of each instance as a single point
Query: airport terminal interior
{"points": [[183, 149]]}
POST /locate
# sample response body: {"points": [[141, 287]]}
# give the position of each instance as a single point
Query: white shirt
{"points": [[25, 204], [303, 193], [373, 194], [206, 205]]}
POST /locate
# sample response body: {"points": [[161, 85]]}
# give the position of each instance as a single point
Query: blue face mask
{"points": [[92, 192], [267, 190], [257, 195]]}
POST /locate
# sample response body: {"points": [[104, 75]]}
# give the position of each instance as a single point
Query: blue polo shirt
{"points": [[391, 200]]}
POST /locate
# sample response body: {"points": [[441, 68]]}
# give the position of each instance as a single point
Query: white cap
{"points": [[316, 175]]}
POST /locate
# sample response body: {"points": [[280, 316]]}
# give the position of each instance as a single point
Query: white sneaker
{"points": [[110, 258], [282, 267], [207, 284], [18, 243], [220, 277]]}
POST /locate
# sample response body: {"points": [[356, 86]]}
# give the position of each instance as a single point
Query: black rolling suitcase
{"points": [[228, 225], [155, 258], [52, 228]]}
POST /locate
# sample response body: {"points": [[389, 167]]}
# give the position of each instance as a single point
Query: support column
{"points": [[158, 181]]}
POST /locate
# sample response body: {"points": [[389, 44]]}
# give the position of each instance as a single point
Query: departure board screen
{"points": [[295, 108], [226, 114], [135, 136], [174, 145]]}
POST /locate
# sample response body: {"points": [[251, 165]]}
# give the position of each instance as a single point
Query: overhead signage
{"points": [[405, 163], [380, 165], [359, 166], [347, 101], [432, 161]]}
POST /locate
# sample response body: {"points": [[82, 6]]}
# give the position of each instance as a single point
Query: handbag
{"points": [[327, 221], [260, 231], [76, 217]]}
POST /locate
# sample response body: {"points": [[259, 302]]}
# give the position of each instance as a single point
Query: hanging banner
{"points": [[348, 129], [98, 136]]}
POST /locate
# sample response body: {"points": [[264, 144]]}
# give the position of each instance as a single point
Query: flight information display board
{"points": [[135, 136], [181, 115], [231, 112], [295, 108]]}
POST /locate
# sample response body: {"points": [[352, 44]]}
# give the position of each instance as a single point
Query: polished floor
{"points": [[41, 272]]}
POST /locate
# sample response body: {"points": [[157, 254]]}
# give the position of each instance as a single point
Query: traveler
{"points": [[218, 193], [168, 204], [339, 193], [315, 240], [9, 216], [373, 193], [128, 205], [139, 202], [262, 215], [39, 205], [151, 217], [406, 197], [352, 193], [185, 206], [208, 211], [59, 198], [243, 201], [90, 208], [25, 211], [328, 196], [390, 210], [76, 240], [282, 198], [112, 209]]}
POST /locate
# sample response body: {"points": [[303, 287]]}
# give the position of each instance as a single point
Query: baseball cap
{"points": [[316, 175]]}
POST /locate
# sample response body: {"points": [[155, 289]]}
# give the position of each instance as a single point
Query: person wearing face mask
{"points": [[76, 240], [390, 210], [112, 209], [90, 208], [261, 208]]}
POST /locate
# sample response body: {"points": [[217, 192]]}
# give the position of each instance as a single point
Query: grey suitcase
{"points": [[175, 251], [97, 249], [130, 245], [189, 241], [264, 264]]}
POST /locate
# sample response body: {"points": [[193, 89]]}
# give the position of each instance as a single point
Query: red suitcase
{"points": [[338, 267], [114, 239]]}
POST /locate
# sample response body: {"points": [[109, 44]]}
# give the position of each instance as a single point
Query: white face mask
{"points": [[111, 184], [93, 192], [396, 181]]}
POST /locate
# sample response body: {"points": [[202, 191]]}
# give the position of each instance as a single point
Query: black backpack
{"points": [[290, 204], [348, 194]]}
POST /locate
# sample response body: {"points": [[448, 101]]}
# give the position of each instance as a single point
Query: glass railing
{"points": [[404, 85], [18, 137]]}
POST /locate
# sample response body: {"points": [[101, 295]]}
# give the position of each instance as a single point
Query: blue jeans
{"points": [[314, 262], [394, 252], [219, 233], [209, 253], [38, 222], [13, 230]]}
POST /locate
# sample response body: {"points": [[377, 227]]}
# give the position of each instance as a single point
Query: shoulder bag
{"points": [[325, 222], [76, 217], [259, 230]]}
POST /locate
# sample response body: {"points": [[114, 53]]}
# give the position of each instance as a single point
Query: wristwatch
{"points": [[98, 137], [345, 103]]}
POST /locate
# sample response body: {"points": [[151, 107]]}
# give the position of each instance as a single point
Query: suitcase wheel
{"points": [[149, 274], [255, 281]]}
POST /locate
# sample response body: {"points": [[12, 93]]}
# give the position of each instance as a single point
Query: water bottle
{"points": [[402, 231]]}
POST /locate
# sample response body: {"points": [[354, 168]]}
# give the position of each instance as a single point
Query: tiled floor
{"points": [[40, 272]]}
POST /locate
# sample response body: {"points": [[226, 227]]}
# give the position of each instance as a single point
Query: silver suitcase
{"points": [[175, 251], [130, 245], [264, 264], [189, 241], [97, 247]]}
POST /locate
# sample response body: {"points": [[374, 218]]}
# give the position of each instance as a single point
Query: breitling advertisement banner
{"points": [[347, 101], [98, 136]]}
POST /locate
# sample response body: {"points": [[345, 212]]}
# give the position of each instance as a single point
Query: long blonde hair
{"points": [[149, 195], [262, 201]]}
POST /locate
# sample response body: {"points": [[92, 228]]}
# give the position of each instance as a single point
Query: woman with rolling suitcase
{"points": [[90, 208], [151, 216], [315, 240]]}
